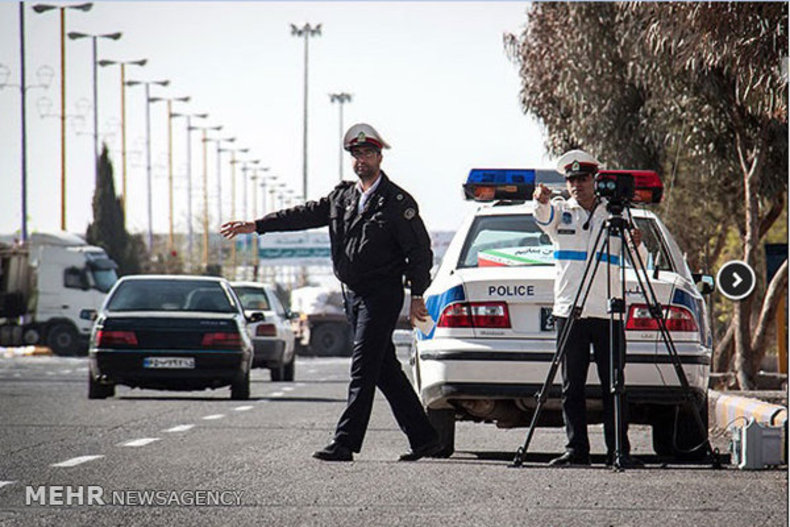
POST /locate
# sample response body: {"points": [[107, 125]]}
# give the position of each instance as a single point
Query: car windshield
{"points": [[512, 240], [171, 295], [516, 240], [104, 279], [253, 298]]}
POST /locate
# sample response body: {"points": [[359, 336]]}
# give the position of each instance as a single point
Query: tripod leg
{"points": [[657, 313]]}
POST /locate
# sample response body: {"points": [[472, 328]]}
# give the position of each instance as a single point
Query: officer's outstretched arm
{"points": [[308, 216]]}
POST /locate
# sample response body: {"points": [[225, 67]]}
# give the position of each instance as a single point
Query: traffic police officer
{"points": [[376, 236], [573, 226]]}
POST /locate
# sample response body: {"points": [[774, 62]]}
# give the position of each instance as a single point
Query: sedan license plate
{"points": [[175, 363], [546, 319]]}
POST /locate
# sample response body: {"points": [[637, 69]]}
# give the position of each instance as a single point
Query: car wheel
{"points": [[330, 340], [443, 421], [63, 339], [97, 390], [676, 433], [288, 370], [240, 389], [276, 374]]}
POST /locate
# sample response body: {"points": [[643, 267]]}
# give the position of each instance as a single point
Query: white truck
{"points": [[45, 283]]}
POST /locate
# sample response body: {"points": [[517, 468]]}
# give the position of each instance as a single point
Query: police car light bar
{"points": [[648, 188], [508, 184]]}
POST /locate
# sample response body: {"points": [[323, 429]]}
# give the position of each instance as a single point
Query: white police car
{"points": [[494, 338]]}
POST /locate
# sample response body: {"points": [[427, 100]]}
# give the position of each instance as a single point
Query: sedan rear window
{"points": [[171, 295], [512, 240], [252, 298]]}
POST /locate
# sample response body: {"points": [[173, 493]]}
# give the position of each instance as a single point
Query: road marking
{"points": [[180, 428], [76, 461], [65, 371], [4, 483], [243, 408], [50, 373], [288, 389], [140, 442], [214, 416], [277, 394]]}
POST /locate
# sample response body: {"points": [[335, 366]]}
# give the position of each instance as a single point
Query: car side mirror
{"points": [[704, 282], [255, 316], [88, 314]]}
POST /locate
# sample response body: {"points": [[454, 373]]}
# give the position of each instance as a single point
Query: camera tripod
{"points": [[615, 226]]}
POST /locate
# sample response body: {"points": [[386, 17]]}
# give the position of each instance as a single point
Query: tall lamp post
{"points": [[340, 98], [122, 64], [45, 77], [169, 100], [305, 31], [74, 35], [42, 8], [204, 142], [190, 231], [233, 162], [147, 85]]}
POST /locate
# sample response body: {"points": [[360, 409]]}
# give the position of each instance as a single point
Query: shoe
{"points": [[427, 450], [334, 451], [570, 458], [626, 461]]}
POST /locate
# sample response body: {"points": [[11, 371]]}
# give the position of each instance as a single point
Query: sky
{"points": [[431, 77]]}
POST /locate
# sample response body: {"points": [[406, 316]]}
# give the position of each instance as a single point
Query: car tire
{"points": [[97, 390], [676, 433], [288, 370], [240, 389], [330, 340], [63, 339], [443, 421], [276, 374]]}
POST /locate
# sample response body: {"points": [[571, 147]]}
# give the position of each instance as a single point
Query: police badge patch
{"points": [[567, 218], [409, 213]]}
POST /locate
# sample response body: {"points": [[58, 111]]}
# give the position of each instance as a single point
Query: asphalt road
{"points": [[191, 447]]}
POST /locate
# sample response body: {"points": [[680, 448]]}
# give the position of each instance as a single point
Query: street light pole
{"points": [[147, 84], [42, 8], [305, 31], [94, 38], [340, 98], [190, 230], [169, 100], [104, 63]]}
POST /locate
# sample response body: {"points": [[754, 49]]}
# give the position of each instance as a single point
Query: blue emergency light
{"points": [[507, 184]]}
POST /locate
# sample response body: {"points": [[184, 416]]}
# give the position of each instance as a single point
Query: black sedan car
{"points": [[170, 333]]}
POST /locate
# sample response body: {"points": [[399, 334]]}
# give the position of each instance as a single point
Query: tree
{"points": [[107, 229], [694, 90]]}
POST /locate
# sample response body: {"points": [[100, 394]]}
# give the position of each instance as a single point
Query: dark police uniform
{"points": [[371, 252]]}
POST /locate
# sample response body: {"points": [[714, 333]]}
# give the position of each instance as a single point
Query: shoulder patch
{"points": [[409, 213]]}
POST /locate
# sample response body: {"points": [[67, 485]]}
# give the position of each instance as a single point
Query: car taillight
{"points": [[266, 330], [676, 319], [223, 340], [105, 339], [475, 314]]}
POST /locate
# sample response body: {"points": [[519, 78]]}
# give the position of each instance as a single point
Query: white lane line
{"points": [[288, 389], [299, 385], [277, 394], [140, 442], [65, 371], [214, 416], [50, 373], [17, 375], [243, 408], [4, 483], [180, 428], [76, 461]]}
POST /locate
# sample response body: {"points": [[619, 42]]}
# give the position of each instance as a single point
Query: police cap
{"points": [[362, 134], [577, 162]]}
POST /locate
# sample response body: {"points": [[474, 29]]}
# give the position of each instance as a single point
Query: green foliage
{"points": [[107, 229]]}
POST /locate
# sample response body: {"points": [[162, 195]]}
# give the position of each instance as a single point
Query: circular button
{"points": [[736, 280]]}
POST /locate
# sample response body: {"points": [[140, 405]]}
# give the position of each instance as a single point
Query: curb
{"points": [[25, 351], [728, 409]]}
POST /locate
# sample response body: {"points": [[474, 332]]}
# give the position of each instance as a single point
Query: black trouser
{"points": [[575, 363], [373, 316]]}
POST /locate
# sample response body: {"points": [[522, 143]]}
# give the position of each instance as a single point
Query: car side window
{"points": [[657, 253], [75, 278], [275, 302]]}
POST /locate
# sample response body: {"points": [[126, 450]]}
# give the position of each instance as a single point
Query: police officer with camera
{"points": [[573, 225], [377, 237]]}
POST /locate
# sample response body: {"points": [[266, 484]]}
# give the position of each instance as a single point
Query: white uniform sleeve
{"points": [[547, 215]]}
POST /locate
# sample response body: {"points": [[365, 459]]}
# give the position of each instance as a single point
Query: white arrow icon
{"points": [[737, 280]]}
